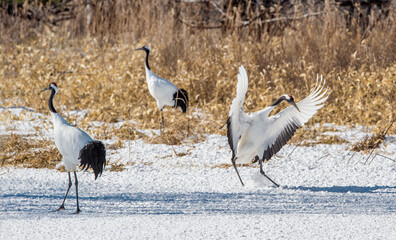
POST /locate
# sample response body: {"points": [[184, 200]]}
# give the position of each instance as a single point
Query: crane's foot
{"points": [[262, 172], [277, 185], [77, 211], [60, 208]]}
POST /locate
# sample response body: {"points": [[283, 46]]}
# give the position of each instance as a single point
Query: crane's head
{"points": [[290, 99], [287, 98], [144, 48], [51, 87]]}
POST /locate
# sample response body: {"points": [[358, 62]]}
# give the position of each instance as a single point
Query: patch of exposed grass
{"points": [[117, 167], [27, 151], [371, 142], [368, 143], [226, 165]]}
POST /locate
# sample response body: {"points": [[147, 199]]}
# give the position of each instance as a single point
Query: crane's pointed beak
{"points": [[295, 105], [45, 89], [138, 49]]}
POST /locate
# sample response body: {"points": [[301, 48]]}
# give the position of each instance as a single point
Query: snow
{"points": [[230, 226], [324, 193]]}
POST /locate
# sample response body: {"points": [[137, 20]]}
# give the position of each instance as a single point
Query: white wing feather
{"points": [[287, 121], [238, 120]]}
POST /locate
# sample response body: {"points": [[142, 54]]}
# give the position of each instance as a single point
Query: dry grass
{"points": [[226, 165], [117, 167], [369, 143], [26, 151], [96, 69]]}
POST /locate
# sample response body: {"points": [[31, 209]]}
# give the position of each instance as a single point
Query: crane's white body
{"points": [[161, 89], [253, 134], [75, 146], [69, 140]]}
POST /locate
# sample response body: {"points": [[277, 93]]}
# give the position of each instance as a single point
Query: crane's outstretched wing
{"points": [[285, 123], [237, 119]]}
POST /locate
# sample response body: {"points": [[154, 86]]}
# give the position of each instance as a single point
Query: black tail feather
{"points": [[93, 155], [181, 99]]}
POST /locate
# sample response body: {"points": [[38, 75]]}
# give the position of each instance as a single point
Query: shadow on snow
{"points": [[304, 200], [347, 189]]}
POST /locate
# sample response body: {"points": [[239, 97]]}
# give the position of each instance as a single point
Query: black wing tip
{"points": [[282, 139], [229, 136], [181, 99], [93, 155]]}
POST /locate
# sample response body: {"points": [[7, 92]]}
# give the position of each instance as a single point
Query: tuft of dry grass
{"points": [[226, 165], [369, 143], [119, 167]]}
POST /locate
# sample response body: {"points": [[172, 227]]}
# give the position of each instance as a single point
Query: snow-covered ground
{"points": [[159, 195]]}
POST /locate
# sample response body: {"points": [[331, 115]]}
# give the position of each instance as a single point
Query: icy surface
{"points": [[325, 193]]}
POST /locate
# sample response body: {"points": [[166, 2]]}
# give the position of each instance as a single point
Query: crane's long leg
{"points": [[188, 123], [76, 183], [262, 172], [62, 207], [162, 121], [233, 163]]}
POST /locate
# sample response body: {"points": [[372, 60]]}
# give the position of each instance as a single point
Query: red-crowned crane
{"points": [[257, 136], [75, 146], [163, 91]]}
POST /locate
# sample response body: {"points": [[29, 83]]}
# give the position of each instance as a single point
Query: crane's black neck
{"points": [[50, 104], [278, 101], [147, 56]]}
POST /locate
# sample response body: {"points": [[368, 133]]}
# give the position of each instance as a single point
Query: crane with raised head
{"points": [[259, 136], [162, 90], [75, 146]]}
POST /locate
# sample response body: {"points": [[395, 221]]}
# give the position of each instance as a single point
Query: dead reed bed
{"points": [[91, 59]]}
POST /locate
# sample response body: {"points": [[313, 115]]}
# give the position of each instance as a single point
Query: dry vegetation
{"points": [[26, 151], [91, 59]]}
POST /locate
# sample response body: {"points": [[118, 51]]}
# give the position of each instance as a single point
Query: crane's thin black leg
{"points": [[188, 125], [62, 207], [76, 183], [233, 163], [162, 121], [262, 172]]}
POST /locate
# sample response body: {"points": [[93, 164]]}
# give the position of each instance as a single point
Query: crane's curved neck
{"points": [[147, 57], [278, 101], [50, 103]]}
